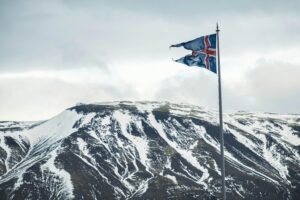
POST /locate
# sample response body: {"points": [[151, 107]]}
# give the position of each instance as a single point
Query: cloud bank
{"points": [[54, 54]]}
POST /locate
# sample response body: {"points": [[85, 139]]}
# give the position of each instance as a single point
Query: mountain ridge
{"points": [[149, 150]]}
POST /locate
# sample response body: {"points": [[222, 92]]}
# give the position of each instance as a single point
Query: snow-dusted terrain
{"points": [[149, 150]]}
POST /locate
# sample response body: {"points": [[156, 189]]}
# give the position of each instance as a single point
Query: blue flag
{"points": [[203, 52]]}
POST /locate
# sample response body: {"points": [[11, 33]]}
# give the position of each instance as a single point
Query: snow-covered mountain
{"points": [[149, 150]]}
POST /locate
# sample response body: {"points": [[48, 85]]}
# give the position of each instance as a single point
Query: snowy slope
{"points": [[149, 150]]}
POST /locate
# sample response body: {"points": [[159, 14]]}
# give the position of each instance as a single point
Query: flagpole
{"points": [[221, 118]]}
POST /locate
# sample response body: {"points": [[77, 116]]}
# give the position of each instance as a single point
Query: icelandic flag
{"points": [[203, 52]]}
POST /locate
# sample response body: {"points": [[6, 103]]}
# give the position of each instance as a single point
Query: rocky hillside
{"points": [[149, 150]]}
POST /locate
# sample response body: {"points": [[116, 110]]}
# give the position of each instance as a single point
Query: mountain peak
{"points": [[149, 150]]}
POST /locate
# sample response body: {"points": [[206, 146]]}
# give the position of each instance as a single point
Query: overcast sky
{"points": [[54, 54]]}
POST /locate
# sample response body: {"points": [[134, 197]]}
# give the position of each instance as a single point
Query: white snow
{"points": [[194, 111], [273, 158], [82, 147], [228, 155], [49, 133], [265, 126], [54, 129], [7, 150], [88, 118], [144, 107], [242, 139], [231, 158], [193, 145], [172, 178], [65, 187], [42, 137], [288, 136], [260, 129], [186, 154], [140, 143]]}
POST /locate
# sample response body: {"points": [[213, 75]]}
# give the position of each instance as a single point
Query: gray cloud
{"points": [[274, 86], [269, 86], [184, 9], [63, 36], [40, 98], [44, 34], [200, 88]]}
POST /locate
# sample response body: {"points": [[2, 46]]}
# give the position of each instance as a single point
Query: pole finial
{"points": [[217, 27]]}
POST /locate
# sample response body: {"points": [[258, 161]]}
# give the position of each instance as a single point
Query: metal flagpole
{"points": [[221, 118]]}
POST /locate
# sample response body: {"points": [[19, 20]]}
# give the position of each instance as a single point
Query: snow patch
{"points": [[172, 178], [88, 118], [65, 186], [140, 143], [54, 129], [186, 154]]}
